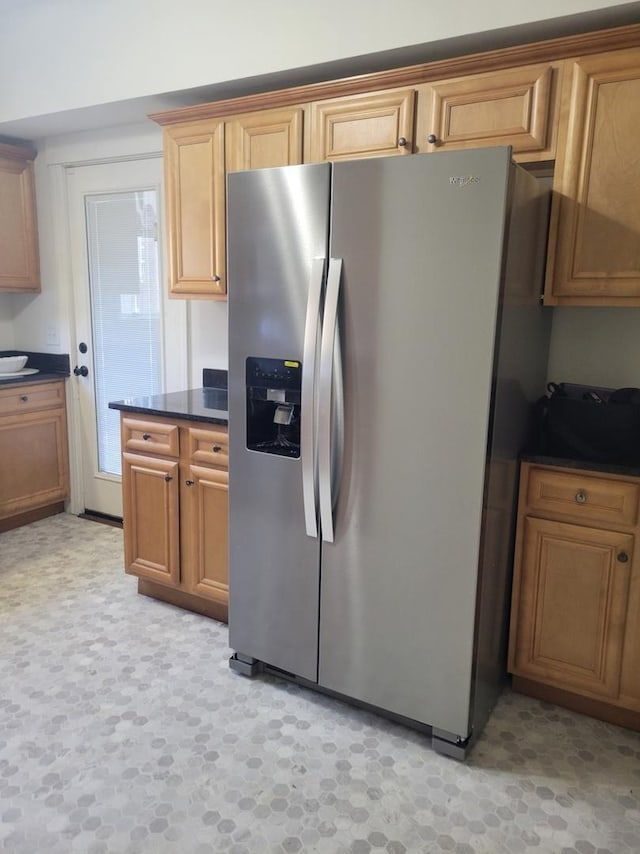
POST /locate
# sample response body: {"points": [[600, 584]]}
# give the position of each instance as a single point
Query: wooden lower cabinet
{"points": [[175, 502], [33, 452], [205, 554], [576, 601]]}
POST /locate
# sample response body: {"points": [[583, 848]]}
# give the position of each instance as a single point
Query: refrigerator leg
{"points": [[450, 744], [245, 664]]}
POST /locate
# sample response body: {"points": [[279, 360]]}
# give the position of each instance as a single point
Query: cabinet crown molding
{"points": [[564, 47]]}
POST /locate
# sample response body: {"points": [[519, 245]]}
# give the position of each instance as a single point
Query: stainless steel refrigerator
{"points": [[386, 343]]}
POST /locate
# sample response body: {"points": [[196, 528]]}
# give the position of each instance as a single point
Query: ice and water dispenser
{"points": [[273, 406]]}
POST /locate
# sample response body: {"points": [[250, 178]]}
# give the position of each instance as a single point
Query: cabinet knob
{"points": [[146, 436], [189, 482], [402, 141], [581, 497], [167, 478], [24, 398], [432, 138], [215, 278], [216, 449], [623, 557]]}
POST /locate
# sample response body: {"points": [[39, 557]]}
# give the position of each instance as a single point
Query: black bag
{"points": [[595, 424]]}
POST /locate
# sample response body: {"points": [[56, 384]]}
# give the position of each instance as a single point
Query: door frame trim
{"points": [[64, 272]]}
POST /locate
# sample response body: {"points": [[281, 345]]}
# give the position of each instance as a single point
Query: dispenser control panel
{"points": [[273, 406]]}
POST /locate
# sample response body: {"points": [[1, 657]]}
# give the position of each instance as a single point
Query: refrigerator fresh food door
{"points": [[421, 240], [277, 237]]}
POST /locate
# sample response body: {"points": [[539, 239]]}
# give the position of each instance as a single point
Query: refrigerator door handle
{"points": [[308, 415], [331, 404]]}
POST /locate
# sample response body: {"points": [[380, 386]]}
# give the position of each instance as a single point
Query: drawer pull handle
{"points": [[623, 557], [189, 482], [167, 478], [24, 398], [217, 449], [146, 436], [581, 497]]}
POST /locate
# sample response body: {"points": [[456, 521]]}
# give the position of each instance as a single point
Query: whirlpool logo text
{"points": [[464, 180]]}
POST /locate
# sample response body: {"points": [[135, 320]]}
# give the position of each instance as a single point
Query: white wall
{"points": [[7, 339], [68, 54], [596, 346]]}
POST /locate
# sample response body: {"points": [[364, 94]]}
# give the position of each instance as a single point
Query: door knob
{"points": [[82, 371]]}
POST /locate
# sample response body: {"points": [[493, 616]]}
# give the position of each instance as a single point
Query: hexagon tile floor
{"points": [[123, 731]]}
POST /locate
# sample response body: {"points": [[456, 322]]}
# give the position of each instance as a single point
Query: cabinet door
{"points": [[19, 260], [571, 606], [33, 451], [151, 522], [594, 252], [195, 202], [512, 107], [372, 125], [204, 533], [264, 139]]}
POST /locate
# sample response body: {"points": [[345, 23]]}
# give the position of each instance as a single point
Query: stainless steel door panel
{"points": [[422, 243], [277, 224]]}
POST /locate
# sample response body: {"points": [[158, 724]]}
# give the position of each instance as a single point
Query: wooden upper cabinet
{"points": [[195, 204], [19, 259], [594, 252], [370, 125], [197, 157], [511, 107], [264, 139]]}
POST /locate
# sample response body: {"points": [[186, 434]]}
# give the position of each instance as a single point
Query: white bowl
{"points": [[10, 364]]}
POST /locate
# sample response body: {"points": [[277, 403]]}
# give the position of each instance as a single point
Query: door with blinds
{"points": [[122, 316]]}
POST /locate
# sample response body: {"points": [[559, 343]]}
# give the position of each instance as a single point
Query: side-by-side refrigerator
{"points": [[386, 344]]}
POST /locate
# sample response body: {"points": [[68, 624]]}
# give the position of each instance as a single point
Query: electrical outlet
{"points": [[53, 339]]}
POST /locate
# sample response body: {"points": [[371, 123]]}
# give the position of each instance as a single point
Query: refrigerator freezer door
{"points": [[422, 244], [277, 224]]}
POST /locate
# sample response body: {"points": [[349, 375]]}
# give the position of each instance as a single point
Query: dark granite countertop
{"points": [[200, 404], [581, 465], [49, 366]]}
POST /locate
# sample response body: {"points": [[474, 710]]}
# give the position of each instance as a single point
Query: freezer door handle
{"points": [[330, 404], [307, 404]]}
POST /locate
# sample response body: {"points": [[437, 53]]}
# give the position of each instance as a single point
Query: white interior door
{"points": [[123, 318]]}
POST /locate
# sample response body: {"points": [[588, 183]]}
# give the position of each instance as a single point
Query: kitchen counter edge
{"points": [[200, 404], [581, 465]]}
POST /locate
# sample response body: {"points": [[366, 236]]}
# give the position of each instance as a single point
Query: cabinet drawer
{"points": [[208, 447], [583, 497], [25, 398], [152, 437]]}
